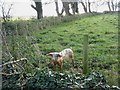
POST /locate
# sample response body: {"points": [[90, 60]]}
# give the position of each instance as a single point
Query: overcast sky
{"points": [[23, 8]]}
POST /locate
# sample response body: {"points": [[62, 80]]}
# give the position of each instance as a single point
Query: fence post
{"points": [[1, 43], [85, 54]]}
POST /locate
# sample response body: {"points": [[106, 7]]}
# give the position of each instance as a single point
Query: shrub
{"points": [[50, 79]]}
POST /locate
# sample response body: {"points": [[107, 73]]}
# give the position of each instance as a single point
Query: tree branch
{"points": [[34, 7], [12, 62], [3, 12], [6, 74], [9, 10]]}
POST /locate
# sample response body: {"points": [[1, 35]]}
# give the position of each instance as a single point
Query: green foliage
{"points": [[52, 79], [43, 79], [10, 82], [103, 38]]}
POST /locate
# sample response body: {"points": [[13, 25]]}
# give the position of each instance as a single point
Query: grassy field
{"points": [[103, 42], [34, 39]]}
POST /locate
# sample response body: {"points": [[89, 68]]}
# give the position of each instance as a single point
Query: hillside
{"points": [[35, 39], [103, 41]]}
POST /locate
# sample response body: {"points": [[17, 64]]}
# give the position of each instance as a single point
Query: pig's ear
{"points": [[59, 55], [50, 54]]}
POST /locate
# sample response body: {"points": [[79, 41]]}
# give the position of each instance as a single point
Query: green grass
{"points": [[34, 39], [103, 41]]}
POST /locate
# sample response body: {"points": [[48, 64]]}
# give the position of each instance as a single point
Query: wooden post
{"points": [[85, 53], [1, 43]]}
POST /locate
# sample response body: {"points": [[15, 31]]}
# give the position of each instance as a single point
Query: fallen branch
{"points": [[12, 62], [6, 74]]}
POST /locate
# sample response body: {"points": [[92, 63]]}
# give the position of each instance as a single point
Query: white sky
{"points": [[23, 8]]}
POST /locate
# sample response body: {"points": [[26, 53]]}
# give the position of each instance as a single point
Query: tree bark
{"points": [[74, 7], [57, 9], [119, 6], [89, 6], [66, 8], [38, 8], [109, 5], [112, 5]]}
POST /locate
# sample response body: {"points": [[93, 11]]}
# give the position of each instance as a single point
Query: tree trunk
{"points": [[112, 5], [38, 8], [74, 7], [109, 5], [66, 7], [89, 6], [119, 6], [57, 9], [84, 7]]}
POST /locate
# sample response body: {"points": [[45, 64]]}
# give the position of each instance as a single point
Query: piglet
{"points": [[58, 57]]}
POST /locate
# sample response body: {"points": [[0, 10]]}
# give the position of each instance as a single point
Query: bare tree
{"points": [[112, 5], [38, 8], [84, 4], [5, 12], [57, 8], [116, 5], [89, 6], [66, 7], [74, 7], [108, 3], [119, 6]]}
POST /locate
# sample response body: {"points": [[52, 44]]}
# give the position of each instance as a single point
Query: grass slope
{"points": [[103, 37]]}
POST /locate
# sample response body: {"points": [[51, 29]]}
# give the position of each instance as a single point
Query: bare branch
{"points": [[6, 74], [33, 7], [12, 62], [8, 13], [5, 13]]}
